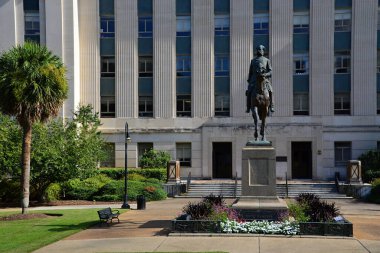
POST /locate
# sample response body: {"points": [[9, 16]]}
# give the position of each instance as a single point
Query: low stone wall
{"points": [[358, 191]]}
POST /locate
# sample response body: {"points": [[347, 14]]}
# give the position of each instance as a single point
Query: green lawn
{"points": [[29, 235]]}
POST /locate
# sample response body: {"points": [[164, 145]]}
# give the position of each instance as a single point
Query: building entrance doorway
{"points": [[222, 160], [302, 167]]}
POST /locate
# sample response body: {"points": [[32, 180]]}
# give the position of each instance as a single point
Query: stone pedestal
{"points": [[259, 199]]}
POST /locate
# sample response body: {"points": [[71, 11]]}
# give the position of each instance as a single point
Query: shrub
{"points": [[154, 159], [198, 211], [114, 190], [158, 173], [315, 209], [85, 189], [114, 173], [53, 192], [136, 177], [214, 200], [298, 212], [375, 191], [10, 190], [118, 173], [370, 165]]}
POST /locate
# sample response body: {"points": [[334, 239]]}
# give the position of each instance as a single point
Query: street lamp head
{"points": [[128, 139]]}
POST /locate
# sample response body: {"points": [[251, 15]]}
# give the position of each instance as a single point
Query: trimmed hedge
{"points": [[118, 173], [114, 190], [85, 189]]}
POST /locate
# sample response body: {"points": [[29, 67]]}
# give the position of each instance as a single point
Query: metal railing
{"points": [[235, 188], [286, 184], [188, 181]]}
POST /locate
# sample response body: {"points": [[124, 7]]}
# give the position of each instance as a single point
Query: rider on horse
{"points": [[260, 70]]}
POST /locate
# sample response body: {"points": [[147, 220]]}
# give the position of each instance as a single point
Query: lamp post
{"points": [[127, 140]]}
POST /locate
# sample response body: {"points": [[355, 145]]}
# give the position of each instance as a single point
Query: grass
{"points": [[29, 235]]}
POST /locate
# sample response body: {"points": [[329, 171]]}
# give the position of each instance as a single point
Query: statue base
{"points": [[259, 199], [260, 208]]}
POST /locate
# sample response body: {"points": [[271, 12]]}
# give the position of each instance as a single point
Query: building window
{"points": [[342, 62], [378, 19], [145, 106], [107, 27], [183, 65], [32, 26], [109, 161], [145, 66], [222, 65], [301, 103], [145, 27], [378, 102], [301, 22], [261, 23], [183, 151], [378, 145], [342, 103], [378, 61], [300, 64], [183, 26], [183, 105], [222, 25], [142, 147], [107, 66], [342, 20], [342, 153], [107, 109], [222, 105]]}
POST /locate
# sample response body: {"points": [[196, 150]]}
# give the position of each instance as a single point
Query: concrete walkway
{"points": [[147, 231]]}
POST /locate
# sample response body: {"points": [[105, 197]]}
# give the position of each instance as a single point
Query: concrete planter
{"points": [[343, 228], [196, 226]]}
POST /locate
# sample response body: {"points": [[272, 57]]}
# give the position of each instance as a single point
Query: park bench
{"points": [[107, 215]]}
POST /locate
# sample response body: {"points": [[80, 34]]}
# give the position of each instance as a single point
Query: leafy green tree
{"points": [[33, 87], [154, 159], [370, 165]]}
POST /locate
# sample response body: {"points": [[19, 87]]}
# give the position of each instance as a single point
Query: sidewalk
{"points": [[147, 230]]}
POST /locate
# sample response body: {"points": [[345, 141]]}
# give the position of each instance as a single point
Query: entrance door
{"points": [[222, 160], [301, 160]]}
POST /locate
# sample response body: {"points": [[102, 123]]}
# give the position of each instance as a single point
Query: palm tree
{"points": [[33, 87]]}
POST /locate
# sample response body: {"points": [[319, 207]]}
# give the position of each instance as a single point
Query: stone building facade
{"points": [[176, 71]]}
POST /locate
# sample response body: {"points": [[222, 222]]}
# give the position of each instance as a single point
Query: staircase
{"points": [[227, 189]]}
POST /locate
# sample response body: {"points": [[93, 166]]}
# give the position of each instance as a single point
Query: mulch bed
{"points": [[27, 216]]}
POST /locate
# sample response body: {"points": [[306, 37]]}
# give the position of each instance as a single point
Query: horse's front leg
{"points": [[262, 129], [254, 116]]}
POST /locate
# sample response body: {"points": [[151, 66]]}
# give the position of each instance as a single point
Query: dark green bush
{"points": [[154, 159], [10, 190], [118, 173], [53, 192], [135, 188], [157, 173], [375, 191], [85, 189], [114, 173], [214, 200], [370, 165]]}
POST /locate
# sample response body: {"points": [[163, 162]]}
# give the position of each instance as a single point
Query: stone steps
{"points": [[324, 190]]}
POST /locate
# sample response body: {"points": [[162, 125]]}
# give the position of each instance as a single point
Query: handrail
{"points": [[286, 183], [235, 189], [188, 182], [337, 182]]}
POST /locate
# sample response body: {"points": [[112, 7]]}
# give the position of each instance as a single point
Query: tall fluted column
{"points": [[281, 52], [364, 52], [11, 23], [89, 53], [322, 57], [126, 59], [241, 53], [164, 69], [202, 60]]}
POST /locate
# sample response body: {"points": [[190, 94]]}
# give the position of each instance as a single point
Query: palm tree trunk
{"points": [[25, 179]]}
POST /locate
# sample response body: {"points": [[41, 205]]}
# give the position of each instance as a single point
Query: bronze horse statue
{"points": [[260, 102]]}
